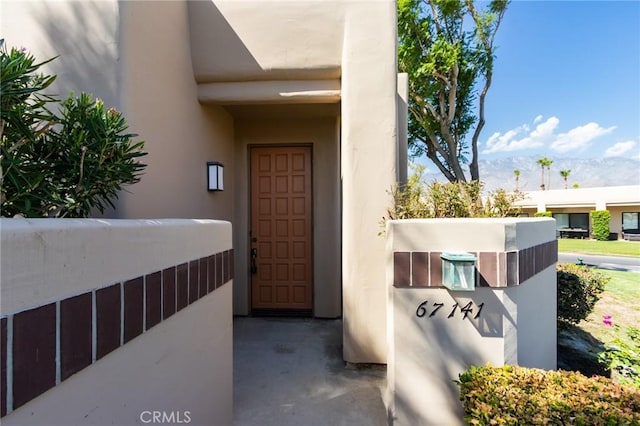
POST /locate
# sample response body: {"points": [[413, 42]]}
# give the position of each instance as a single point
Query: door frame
{"points": [[280, 312]]}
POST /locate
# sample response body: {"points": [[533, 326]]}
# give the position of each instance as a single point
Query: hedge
{"points": [[600, 224], [542, 214], [512, 395], [579, 288]]}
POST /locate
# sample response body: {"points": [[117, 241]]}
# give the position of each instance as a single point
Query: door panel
{"points": [[281, 228]]}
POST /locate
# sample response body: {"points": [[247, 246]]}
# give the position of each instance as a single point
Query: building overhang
{"points": [[270, 92]]}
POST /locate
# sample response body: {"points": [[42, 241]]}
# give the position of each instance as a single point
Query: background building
{"points": [[571, 207]]}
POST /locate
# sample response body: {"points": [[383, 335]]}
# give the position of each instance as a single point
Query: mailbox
{"points": [[458, 271]]}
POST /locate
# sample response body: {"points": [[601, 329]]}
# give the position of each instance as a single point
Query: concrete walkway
{"points": [[291, 372]]}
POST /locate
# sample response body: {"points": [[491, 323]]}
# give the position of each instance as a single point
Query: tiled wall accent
{"points": [[43, 346], [493, 269]]}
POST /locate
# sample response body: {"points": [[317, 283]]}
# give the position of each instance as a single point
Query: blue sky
{"points": [[566, 81]]}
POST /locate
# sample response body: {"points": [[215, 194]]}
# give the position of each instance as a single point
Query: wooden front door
{"points": [[281, 229]]}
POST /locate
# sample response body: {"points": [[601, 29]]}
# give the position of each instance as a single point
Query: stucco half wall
{"points": [[105, 320], [435, 334]]}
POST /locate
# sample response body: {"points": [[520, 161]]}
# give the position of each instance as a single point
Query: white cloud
{"points": [[512, 140], [579, 137], [521, 138], [619, 149]]}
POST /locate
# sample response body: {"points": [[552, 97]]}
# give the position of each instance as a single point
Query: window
{"points": [[571, 220], [562, 220], [630, 220]]}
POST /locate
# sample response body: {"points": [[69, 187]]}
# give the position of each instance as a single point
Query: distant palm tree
{"points": [[543, 162], [516, 173], [549, 163], [565, 175], [576, 186]]}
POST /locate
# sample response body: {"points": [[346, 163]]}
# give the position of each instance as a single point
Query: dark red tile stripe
{"points": [[148, 299], [182, 282], [493, 269], [435, 272], [401, 268], [153, 299], [202, 286], [133, 308], [219, 281], [512, 268], [107, 320], [75, 334], [225, 267], [487, 266], [34, 353], [168, 292], [211, 272], [194, 267], [419, 269]]}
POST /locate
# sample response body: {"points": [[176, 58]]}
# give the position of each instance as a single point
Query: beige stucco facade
{"points": [[205, 80]]}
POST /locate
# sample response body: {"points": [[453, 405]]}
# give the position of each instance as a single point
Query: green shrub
{"points": [[408, 200], [450, 199], [513, 395], [600, 224], [579, 288], [58, 165], [542, 214], [622, 356]]}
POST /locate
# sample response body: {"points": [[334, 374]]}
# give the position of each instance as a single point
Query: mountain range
{"points": [[585, 172]]}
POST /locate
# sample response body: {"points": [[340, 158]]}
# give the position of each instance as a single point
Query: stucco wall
{"points": [[434, 334], [61, 364], [84, 34], [368, 171], [160, 100], [136, 56]]}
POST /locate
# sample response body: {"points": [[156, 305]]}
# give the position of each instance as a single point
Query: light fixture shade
{"points": [[458, 271], [215, 176]]}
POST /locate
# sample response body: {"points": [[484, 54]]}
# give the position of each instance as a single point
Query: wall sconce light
{"points": [[458, 271], [215, 176]]}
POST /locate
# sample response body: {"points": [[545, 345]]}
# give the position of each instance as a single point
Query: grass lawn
{"points": [[621, 300], [578, 345], [620, 248]]}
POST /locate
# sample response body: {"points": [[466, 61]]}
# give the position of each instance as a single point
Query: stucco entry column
{"points": [[368, 168]]}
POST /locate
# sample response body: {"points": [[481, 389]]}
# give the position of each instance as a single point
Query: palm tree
{"points": [[549, 163], [516, 173], [565, 175], [543, 162]]}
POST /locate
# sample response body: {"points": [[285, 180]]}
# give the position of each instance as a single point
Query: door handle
{"points": [[254, 255]]}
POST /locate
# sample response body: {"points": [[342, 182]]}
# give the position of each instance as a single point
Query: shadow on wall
{"points": [[282, 43], [84, 35], [451, 352], [212, 37]]}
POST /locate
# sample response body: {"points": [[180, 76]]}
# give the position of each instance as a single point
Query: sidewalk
{"points": [[291, 372]]}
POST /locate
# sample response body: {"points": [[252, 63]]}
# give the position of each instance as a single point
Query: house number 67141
{"points": [[424, 308]]}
